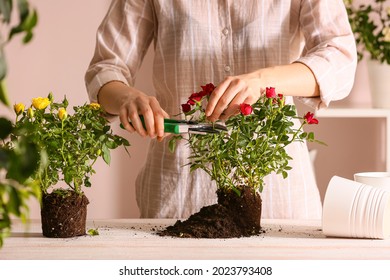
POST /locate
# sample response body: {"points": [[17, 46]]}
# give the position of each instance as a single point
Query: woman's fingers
{"points": [[159, 115], [226, 98], [153, 116]]}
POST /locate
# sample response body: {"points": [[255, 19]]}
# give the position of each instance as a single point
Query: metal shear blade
{"points": [[205, 128]]}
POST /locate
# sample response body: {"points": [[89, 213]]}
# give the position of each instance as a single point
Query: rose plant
{"points": [[255, 144], [370, 22], [238, 160], [70, 145]]}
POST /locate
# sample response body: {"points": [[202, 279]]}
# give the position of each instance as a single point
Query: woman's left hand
{"points": [[226, 98]]}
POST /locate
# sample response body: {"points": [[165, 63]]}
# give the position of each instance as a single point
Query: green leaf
{"points": [[106, 154], [87, 182], [3, 65], [29, 157], [93, 232], [27, 37], [3, 93], [14, 202], [173, 142], [111, 144], [68, 177], [5, 128], [310, 136], [23, 8], [28, 20]]}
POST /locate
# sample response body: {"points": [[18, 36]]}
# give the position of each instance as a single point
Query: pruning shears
{"points": [[193, 127]]}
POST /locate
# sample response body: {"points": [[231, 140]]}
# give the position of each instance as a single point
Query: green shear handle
{"points": [[170, 126]]}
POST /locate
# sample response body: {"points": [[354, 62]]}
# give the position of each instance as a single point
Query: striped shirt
{"points": [[197, 42]]}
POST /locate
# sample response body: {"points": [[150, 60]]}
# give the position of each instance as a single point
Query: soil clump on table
{"points": [[232, 217]]}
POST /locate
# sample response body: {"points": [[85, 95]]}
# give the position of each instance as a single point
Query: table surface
{"points": [[137, 239]]}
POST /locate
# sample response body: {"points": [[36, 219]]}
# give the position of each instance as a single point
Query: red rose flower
{"points": [[202, 93], [185, 107], [309, 118], [195, 94], [270, 92], [208, 89], [246, 109], [195, 97]]}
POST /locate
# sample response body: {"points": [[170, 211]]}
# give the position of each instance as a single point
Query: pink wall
{"points": [[58, 57], [56, 61]]}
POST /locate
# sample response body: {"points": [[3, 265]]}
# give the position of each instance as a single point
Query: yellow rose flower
{"points": [[19, 108], [94, 106], [40, 103], [30, 113], [62, 114]]}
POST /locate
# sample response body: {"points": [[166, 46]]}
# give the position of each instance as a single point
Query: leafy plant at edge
{"points": [[371, 25], [18, 164]]}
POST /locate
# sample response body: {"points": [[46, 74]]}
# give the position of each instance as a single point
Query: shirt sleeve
{"points": [[122, 41], [330, 49]]}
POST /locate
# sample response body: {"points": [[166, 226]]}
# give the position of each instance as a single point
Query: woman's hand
{"points": [[294, 79], [129, 103], [226, 98], [136, 104]]}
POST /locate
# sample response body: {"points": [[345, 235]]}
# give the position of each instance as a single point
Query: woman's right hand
{"points": [[129, 103]]}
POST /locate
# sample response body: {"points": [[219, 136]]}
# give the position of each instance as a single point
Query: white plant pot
{"points": [[357, 210], [379, 77]]}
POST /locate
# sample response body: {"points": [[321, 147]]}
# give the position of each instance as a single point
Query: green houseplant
{"points": [[71, 144], [370, 23], [28, 19], [18, 164], [238, 160]]}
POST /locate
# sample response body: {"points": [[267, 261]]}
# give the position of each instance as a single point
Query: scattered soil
{"points": [[233, 216], [64, 215]]}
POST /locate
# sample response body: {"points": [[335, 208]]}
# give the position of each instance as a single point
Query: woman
{"points": [[303, 48]]}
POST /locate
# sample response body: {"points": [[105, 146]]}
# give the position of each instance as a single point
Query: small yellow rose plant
{"points": [[71, 143]]}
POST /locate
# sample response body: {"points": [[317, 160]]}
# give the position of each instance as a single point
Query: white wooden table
{"points": [[137, 239]]}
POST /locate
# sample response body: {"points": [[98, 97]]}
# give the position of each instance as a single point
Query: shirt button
{"points": [[227, 68], [225, 31]]}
